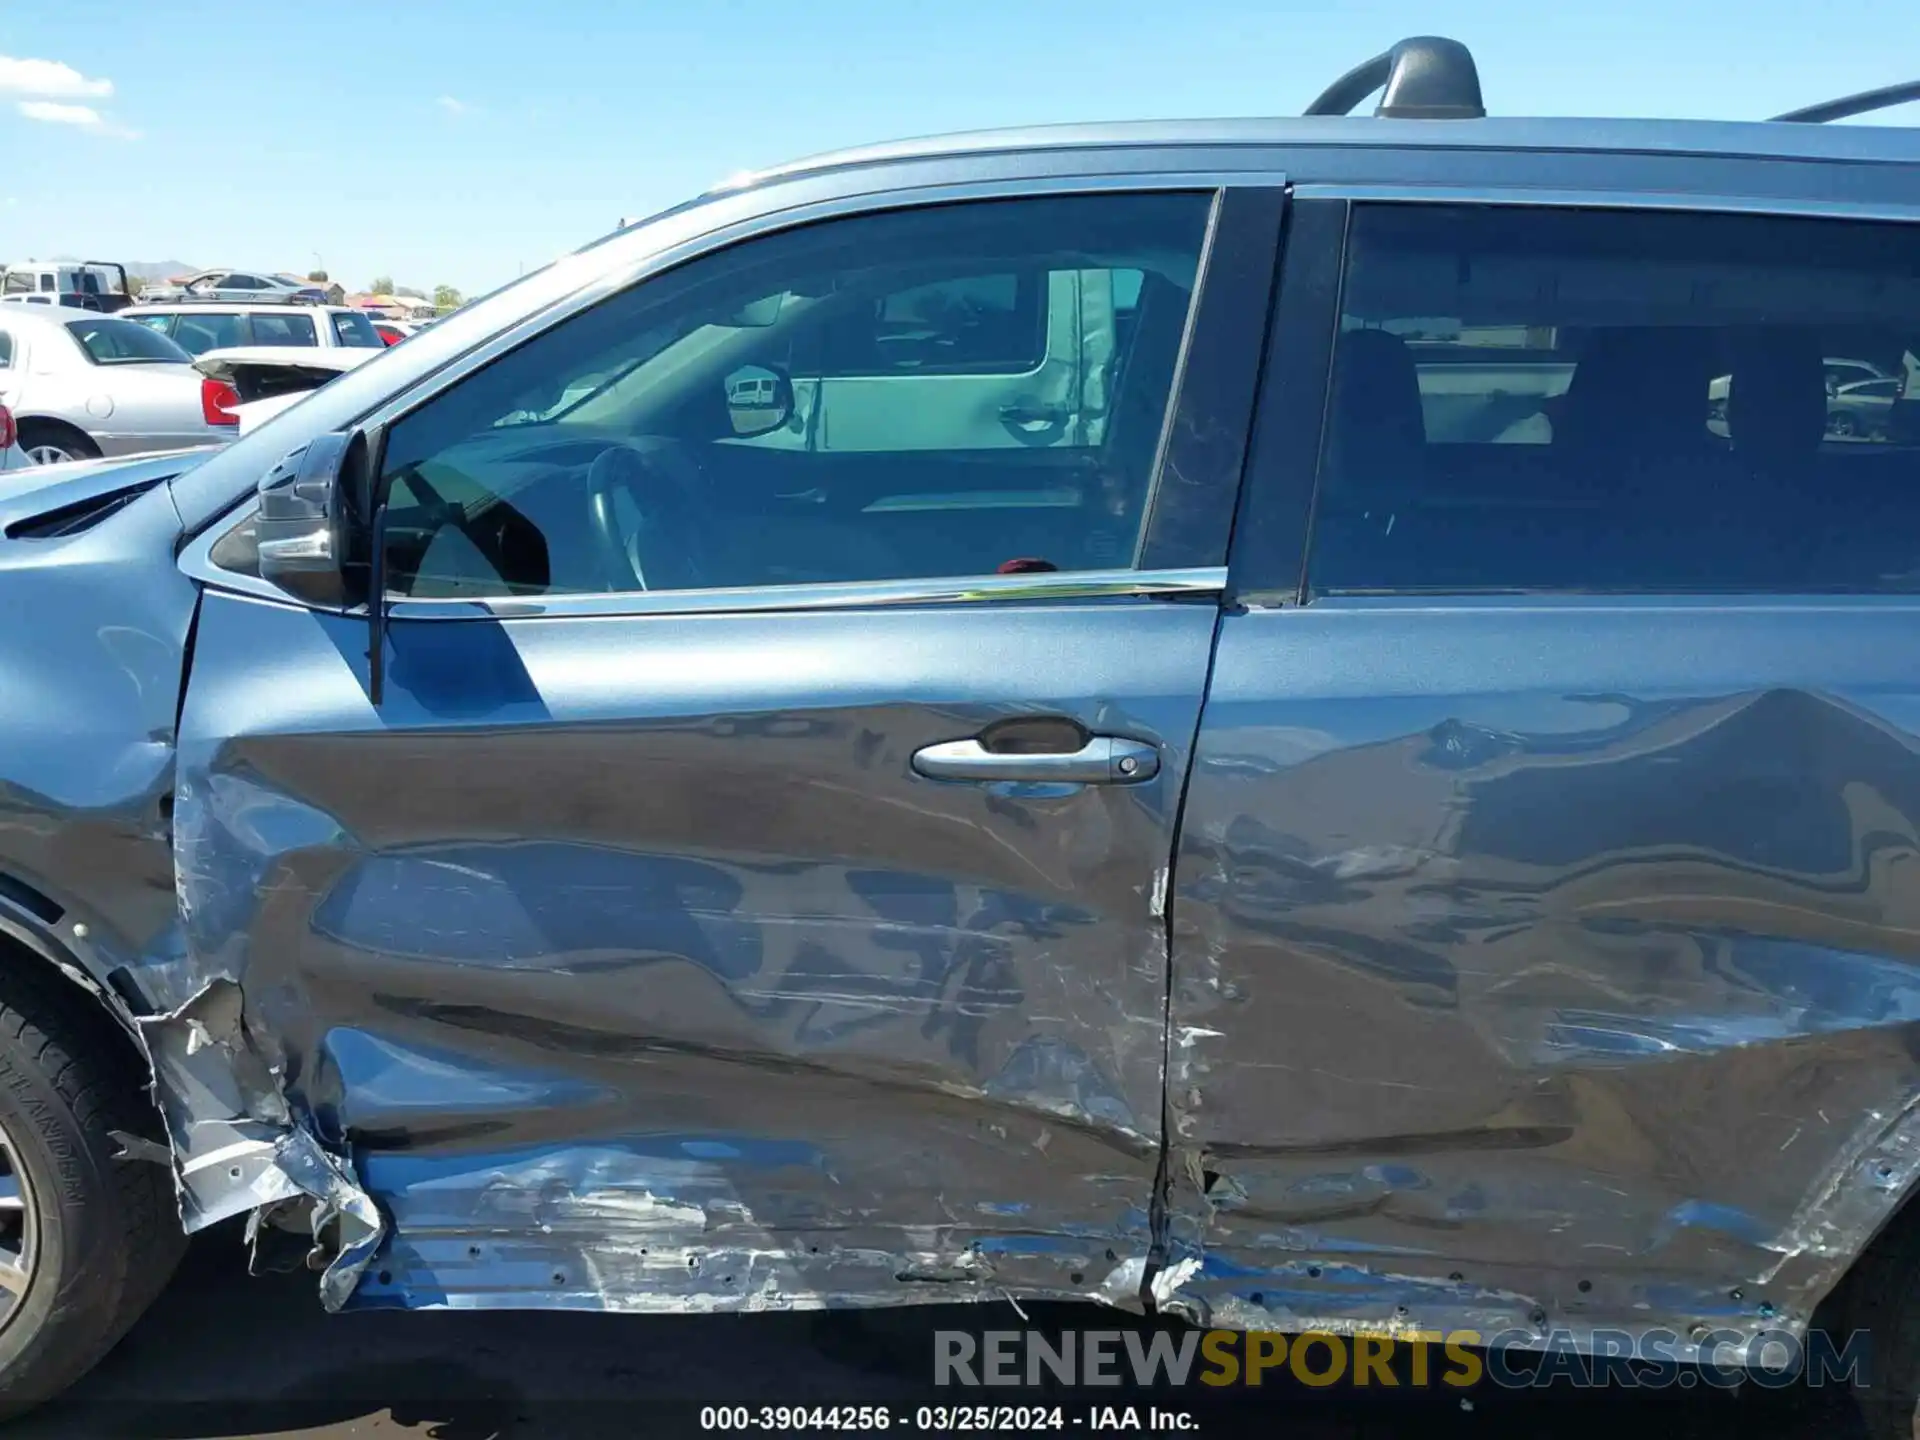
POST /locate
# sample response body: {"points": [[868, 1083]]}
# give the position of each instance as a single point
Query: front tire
{"points": [[86, 1241]]}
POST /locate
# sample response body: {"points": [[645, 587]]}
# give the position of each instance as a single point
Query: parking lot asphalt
{"points": [[224, 1354]]}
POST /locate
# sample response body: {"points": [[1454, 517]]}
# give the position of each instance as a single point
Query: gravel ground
{"points": [[228, 1355]]}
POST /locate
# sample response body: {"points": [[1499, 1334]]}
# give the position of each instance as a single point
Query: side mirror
{"points": [[759, 400], [307, 521]]}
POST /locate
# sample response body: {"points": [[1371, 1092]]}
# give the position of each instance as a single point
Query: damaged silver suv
{"points": [[1301, 723]]}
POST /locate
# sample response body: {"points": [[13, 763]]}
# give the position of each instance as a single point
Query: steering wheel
{"points": [[644, 511]]}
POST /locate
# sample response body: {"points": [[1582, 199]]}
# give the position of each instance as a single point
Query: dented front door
{"points": [[665, 952], [678, 982]]}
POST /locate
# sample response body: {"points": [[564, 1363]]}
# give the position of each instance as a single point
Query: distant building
{"points": [[393, 307]]}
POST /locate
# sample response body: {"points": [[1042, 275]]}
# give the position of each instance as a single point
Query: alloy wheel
{"points": [[19, 1231], [49, 455]]}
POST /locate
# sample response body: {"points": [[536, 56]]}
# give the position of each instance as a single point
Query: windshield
{"points": [[121, 342]]}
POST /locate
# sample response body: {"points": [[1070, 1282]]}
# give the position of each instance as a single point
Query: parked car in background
{"points": [[1863, 409], [81, 384], [235, 285], [392, 332], [78, 284], [198, 327], [247, 386], [1843, 371]]}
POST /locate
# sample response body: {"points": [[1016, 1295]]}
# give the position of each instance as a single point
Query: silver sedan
{"points": [[81, 384]]}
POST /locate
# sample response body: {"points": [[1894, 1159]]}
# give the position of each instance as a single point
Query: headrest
{"points": [[1377, 432], [1638, 391], [1777, 405]]}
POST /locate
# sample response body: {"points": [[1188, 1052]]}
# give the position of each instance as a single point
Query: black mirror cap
{"points": [[306, 530]]}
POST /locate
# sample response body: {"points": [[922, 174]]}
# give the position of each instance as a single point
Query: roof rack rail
{"points": [[292, 297], [1424, 77], [1864, 103]]}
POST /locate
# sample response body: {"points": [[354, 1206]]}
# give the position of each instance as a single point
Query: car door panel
{"points": [[1499, 925], [623, 944], [632, 954], [1544, 962]]}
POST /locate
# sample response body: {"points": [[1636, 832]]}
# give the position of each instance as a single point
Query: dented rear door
{"points": [[1545, 939], [677, 949]]}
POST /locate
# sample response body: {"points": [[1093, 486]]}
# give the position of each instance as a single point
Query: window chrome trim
{"points": [[1549, 197], [859, 595]]}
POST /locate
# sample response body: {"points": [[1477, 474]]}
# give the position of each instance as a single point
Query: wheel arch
{"points": [[24, 419], [30, 923]]}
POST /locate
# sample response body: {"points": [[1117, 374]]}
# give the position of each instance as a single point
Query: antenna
{"points": [[1425, 77], [1867, 100]]}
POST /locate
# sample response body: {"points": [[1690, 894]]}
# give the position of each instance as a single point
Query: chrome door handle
{"points": [[1103, 760]]}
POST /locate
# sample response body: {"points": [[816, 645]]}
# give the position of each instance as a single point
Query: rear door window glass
{"points": [[291, 328], [1536, 399], [200, 332]]}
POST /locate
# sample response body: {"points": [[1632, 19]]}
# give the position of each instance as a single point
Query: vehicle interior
{"points": [[613, 454], [1579, 408]]}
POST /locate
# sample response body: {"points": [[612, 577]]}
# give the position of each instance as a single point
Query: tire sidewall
{"points": [[81, 1263]]}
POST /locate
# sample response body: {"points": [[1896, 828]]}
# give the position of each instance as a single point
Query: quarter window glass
{"points": [[951, 391], [197, 333], [6, 351], [355, 331], [1580, 400], [288, 329]]}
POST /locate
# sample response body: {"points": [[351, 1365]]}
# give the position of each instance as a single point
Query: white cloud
{"points": [[49, 77], [452, 106], [83, 117], [55, 114]]}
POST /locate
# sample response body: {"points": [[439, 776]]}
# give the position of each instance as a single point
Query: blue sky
{"points": [[451, 142]]}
